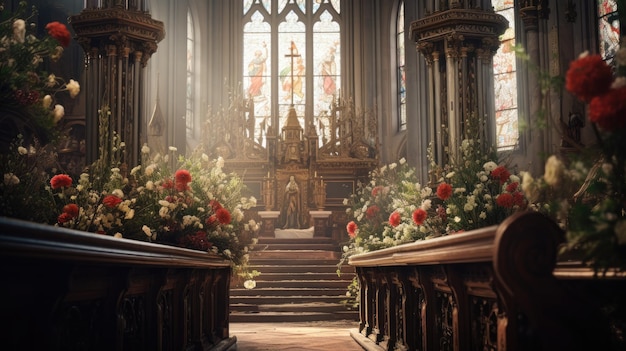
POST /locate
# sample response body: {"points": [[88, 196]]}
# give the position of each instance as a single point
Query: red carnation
{"points": [[71, 210], [419, 216], [511, 187], [64, 217], [215, 205], [518, 199], [60, 181], [352, 228], [588, 77], [211, 220], [394, 219], [372, 211], [377, 190], [59, 32], [111, 201], [505, 200], [500, 173], [167, 184], [444, 191], [223, 215], [182, 177], [609, 110], [197, 241]]}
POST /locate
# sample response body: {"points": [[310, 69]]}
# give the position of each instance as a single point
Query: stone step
{"points": [[295, 247], [261, 261], [259, 301], [290, 292], [295, 254], [278, 317], [327, 284], [314, 240], [345, 269], [322, 275], [315, 306]]}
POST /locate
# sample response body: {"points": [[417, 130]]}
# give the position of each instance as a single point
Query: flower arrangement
{"points": [[586, 192], [393, 208], [27, 91], [170, 199]]}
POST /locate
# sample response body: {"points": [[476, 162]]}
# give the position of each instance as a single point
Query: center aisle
{"points": [[299, 336]]}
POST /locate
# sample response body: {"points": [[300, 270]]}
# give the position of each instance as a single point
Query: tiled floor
{"points": [[302, 336]]}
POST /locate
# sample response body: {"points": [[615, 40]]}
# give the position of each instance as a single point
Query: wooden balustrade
{"points": [[497, 288], [68, 290]]}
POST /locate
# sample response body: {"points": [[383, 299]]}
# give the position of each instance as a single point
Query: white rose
{"points": [[59, 112], [19, 30], [73, 87], [47, 101]]}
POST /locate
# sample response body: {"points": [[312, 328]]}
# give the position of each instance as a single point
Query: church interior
{"points": [[302, 100]]}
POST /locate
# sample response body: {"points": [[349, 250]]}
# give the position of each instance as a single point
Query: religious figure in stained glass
{"points": [[256, 71], [328, 71]]}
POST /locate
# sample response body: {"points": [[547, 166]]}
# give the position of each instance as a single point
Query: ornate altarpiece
{"points": [[325, 174]]}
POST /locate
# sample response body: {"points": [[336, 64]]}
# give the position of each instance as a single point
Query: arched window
{"points": [[505, 82], [608, 29], [190, 118], [400, 57], [291, 56]]}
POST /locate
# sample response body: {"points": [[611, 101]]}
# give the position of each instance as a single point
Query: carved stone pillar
{"points": [[119, 38], [458, 44], [531, 12]]}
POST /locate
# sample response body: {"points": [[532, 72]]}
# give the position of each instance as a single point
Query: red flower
{"points": [[419, 216], [500, 173], [518, 199], [372, 211], [111, 201], [71, 210], [211, 220], [352, 228], [588, 77], [59, 32], [444, 191], [394, 219], [215, 205], [168, 184], [197, 241], [64, 217], [511, 187], [60, 181], [609, 110], [505, 200], [182, 177], [441, 213], [223, 215], [377, 190]]}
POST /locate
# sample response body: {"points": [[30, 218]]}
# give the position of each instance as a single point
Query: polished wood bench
{"points": [[69, 290], [496, 288]]}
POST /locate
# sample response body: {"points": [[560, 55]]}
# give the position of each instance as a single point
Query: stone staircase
{"points": [[298, 283]]}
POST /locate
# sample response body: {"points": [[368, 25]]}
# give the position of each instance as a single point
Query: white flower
{"points": [[227, 253], [59, 112], [393, 165], [457, 219], [426, 205], [145, 149], [554, 171], [47, 101], [249, 284], [490, 166], [118, 192], [22, 150], [130, 214], [450, 175], [11, 179], [73, 87], [19, 30], [146, 230], [402, 161], [118, 235], [173, 148], [220, 162], [150, 169]]}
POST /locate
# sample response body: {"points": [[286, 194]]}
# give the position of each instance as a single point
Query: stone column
{"points": [[119, 38], [320, 222], [458, 42], [269, 219]]}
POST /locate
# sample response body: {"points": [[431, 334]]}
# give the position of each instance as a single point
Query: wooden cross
{"points": [[291, 55]]}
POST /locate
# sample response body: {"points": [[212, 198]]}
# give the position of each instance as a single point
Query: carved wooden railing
{"points": [[497, 288], [68, 290]]}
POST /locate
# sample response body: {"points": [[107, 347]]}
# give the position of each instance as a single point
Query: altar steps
{"points": [[298, 283]]}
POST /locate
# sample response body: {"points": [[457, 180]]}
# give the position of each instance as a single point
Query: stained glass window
{"points": [[190, 118], [291, 56], [608, 29], [505, 81], [401, 67]]}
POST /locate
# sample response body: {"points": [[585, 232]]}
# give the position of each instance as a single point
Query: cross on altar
{"points": [[293, 52]]}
